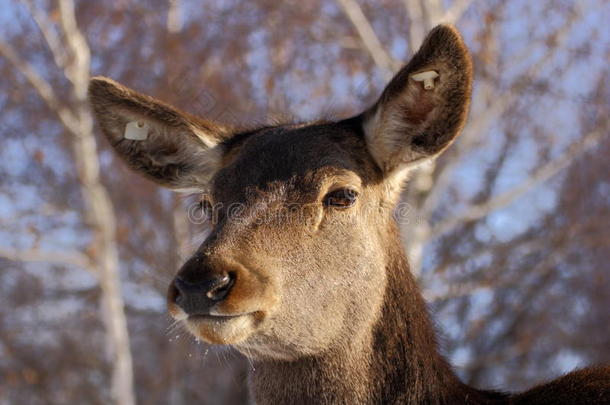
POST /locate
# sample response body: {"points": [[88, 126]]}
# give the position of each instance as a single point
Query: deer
{"points": [[308, 277]]}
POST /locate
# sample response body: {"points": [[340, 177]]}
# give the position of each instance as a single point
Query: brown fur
{"points": [[167, 156], [414, 123], [323, 302]]}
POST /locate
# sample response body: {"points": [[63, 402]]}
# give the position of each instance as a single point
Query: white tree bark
{"points": [[73, 58], [369, 39], [100, 213]]}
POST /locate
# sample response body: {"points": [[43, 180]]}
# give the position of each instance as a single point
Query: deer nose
{"points": [[196, 296]]}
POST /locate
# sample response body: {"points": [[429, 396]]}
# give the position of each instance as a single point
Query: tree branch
{"points": [[416, 24], [174, 16], [41, 86], [36, 255], [433, 10], [456, 11], [48, 33], [540, 175], [78, 70], [371, 42]]}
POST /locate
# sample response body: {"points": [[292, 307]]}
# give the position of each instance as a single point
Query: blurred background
{"points": [[508, 233]]}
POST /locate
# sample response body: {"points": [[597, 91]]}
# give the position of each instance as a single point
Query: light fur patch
{"points": [[388, 131]]}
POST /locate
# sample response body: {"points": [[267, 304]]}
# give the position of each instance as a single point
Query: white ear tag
{"points": [[426, 77], [136, 130]]}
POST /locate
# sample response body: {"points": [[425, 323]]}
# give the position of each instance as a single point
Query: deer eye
{"points": [[342, 198]]}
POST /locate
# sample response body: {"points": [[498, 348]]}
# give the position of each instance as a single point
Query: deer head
{"points": [[295, 260]]}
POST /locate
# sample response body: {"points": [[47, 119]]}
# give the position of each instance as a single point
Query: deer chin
{"points": [[223, 329], [262, 348]]}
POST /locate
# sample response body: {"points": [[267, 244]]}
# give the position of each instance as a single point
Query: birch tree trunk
{"points": [[71, 55], [100, 211]]}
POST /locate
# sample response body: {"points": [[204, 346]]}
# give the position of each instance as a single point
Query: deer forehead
{"points": [[305, 160]]}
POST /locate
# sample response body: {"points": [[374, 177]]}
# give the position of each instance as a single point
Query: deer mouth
{"points": [[222, 329], [215, 318]]}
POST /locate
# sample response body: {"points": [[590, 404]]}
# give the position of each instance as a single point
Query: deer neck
{"points": [[396, 361]]}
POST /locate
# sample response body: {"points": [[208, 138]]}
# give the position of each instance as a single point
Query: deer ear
{"points": [[170, 147], [424, 107]]}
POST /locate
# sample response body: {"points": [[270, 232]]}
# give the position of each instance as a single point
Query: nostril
{"points": [[221, 287], [173, 294], [197, 295]]}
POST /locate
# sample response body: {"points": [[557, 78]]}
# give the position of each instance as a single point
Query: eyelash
{"points": [[342, 198]]}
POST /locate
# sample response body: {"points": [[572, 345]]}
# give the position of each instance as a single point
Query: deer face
{"points": [[292, 238], [294, 261]]}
